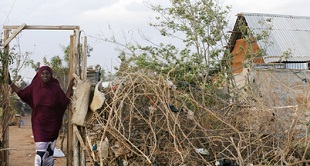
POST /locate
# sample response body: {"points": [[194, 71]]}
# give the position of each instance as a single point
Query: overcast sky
{"points": [[96, 16]]}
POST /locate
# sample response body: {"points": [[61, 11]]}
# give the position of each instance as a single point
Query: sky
{"points": [[106, 18]]}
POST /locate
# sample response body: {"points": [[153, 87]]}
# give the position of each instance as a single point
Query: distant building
{"points": [[268, 41], [287, 43]]}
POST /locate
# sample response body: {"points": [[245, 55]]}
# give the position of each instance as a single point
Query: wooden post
{"points": [[76, 148], [6, 116], [73, 146], [70, 127], [76, 156], [83, 60]]}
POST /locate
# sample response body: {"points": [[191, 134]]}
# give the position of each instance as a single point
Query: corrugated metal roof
{"points": [[287, 34]]}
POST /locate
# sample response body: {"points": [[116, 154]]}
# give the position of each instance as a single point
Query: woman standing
{"points": [[48, 102]]}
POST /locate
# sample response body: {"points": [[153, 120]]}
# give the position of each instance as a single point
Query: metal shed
{"points": [[288, 37]]}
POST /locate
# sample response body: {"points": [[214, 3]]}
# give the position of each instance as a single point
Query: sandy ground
{"points": [[22, 145]]}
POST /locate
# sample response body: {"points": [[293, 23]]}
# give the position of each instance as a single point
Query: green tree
{"points": [[199, 26], [197, 31]]}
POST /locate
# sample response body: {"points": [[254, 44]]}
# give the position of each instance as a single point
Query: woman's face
{"points": [[46, 76]]}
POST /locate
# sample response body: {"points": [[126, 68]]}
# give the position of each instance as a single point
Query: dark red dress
{"points": [[48, 103]]}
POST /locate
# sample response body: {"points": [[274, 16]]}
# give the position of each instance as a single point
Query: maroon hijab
{"points": [[43, 93]]}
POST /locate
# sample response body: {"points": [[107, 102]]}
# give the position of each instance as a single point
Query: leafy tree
{"points": [[3, 61], [17, 61], [195, 55]]}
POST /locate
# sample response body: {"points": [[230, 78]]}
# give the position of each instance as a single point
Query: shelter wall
{"points": [[240, 51], [282, 87]]}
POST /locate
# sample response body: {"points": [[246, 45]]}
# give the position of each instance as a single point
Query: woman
{"points": [[48, 102]]}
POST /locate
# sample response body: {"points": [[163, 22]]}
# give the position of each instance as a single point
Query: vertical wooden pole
{"points": [[76, 156], [84, 77], [84, 59], [76, 151], [70, 127], [6, 116]]}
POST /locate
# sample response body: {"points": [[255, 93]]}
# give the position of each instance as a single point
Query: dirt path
{"points": [[22, 145]]}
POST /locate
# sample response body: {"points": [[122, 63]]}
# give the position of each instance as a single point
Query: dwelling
{"points": [[284, 41], [279, 48], [271, 41]]}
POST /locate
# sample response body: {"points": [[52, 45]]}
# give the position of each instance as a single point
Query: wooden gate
{"points": [[77, 66]]}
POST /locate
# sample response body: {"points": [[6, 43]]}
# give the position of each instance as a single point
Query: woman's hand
{"points": [[13, 86], [9, 79], [69, 91], [71, 83]]}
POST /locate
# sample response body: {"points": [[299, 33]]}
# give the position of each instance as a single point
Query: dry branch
{"points": [[151, 122]]}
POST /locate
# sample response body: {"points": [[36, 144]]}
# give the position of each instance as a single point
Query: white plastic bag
{"points": [[58, 153]]}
